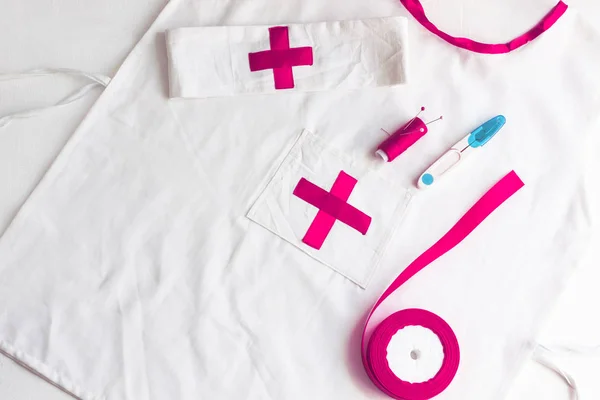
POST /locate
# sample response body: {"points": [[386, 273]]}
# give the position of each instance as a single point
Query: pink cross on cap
{"points": [[281, 58]]}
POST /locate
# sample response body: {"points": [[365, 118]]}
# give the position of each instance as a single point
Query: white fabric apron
{"points": [[136, 270]]}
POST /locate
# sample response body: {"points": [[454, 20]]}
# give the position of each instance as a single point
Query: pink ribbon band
{"points": [[374, 353], [416, 9], [280, 58]]}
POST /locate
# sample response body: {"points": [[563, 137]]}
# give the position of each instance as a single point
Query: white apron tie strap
{"points": [[97, 80]]}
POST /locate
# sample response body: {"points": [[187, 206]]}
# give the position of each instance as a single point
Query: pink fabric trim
{"points": [[332, 206], [374, 352], [281, 58], [416, 9]]}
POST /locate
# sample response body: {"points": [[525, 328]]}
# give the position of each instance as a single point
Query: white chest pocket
{"points": [[335, 209]]}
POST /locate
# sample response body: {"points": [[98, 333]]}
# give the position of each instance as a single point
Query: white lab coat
{"points": [[135, 272]]}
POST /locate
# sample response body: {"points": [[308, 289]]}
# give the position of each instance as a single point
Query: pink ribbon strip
{"points": [[332, 206], [416, 9], [281, 58], [374, 353]]}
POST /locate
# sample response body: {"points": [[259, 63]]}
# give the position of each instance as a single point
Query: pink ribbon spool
{"points": [[374, 349], [377, 355], [402, 139]]}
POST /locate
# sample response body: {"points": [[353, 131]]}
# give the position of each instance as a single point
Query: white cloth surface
{"points": [[213, 61], [89, 36], [574, 313]]}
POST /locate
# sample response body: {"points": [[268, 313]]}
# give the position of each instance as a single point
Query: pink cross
{"points": [[281, 58], [332, 206]]}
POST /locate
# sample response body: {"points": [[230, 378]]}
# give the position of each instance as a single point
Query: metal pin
{"points": [[411, 121], [416, 116], [407, 124], [386, 132], [435, 120]]}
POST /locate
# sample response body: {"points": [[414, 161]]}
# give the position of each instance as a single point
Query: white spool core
{"points": [[382, 154], [415, 354]]}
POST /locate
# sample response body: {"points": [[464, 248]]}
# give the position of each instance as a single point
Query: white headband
{"points": [[227, 61]]}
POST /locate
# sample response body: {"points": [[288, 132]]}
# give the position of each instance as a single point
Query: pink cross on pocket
{"points": [[281, 58], [332, 207]]}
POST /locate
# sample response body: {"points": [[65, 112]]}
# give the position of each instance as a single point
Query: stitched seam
{"points": [[44, 371]]}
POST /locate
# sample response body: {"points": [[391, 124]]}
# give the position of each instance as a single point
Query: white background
{"points": [[96, 36]]}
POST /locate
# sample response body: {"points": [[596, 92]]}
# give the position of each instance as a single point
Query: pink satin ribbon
{"points": [[416, 9], [374, 353]]}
